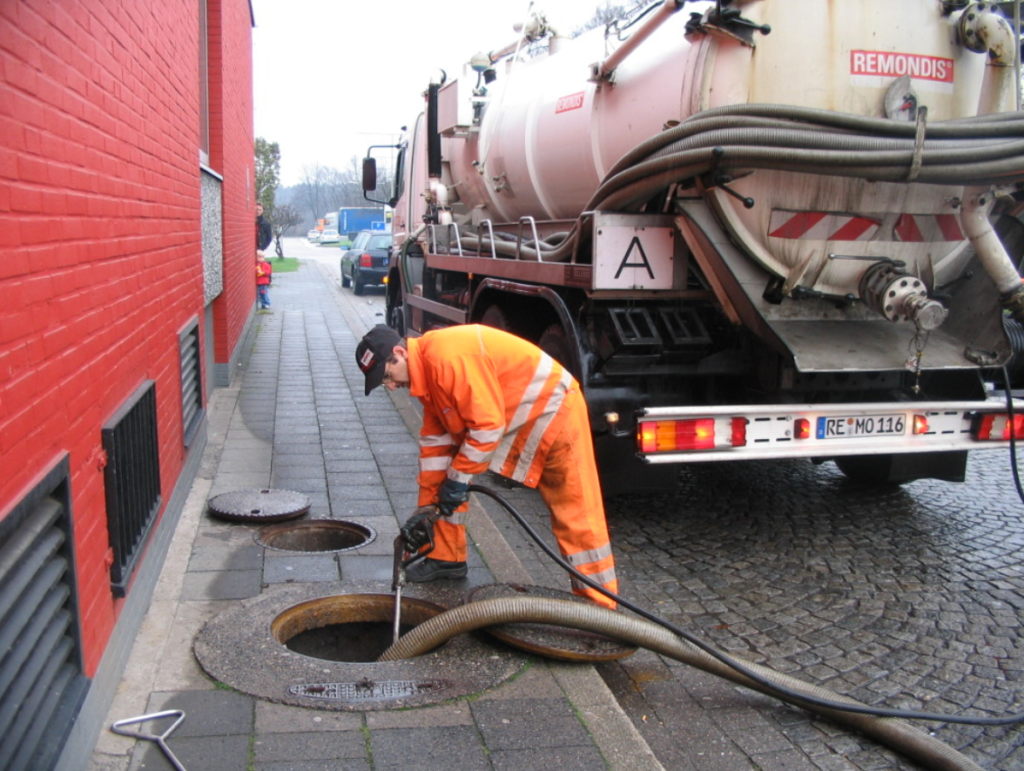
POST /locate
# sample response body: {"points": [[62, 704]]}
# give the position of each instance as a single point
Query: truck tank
{"points": [[750, 228], [838, 144]]}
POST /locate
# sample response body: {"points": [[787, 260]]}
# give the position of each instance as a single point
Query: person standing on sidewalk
{"points": [[264, 232], [493, 400], [264, 272]]}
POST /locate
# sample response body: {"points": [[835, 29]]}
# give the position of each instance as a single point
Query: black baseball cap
{"points": [[374, 351]]}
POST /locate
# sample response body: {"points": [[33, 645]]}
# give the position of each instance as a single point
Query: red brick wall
{"points": [[231, 154], [100, 238]]}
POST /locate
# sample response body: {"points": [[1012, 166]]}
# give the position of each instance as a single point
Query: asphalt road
{"points": [[907, 597], [369, 308]]}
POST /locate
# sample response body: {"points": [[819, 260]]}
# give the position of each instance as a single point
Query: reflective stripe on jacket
{"points": [[490, 400]]}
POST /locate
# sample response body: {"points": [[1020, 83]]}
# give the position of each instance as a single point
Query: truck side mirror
{"points": [[369, 174]]}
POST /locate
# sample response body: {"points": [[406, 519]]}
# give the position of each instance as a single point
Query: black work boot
{"points": [[431, 570]]}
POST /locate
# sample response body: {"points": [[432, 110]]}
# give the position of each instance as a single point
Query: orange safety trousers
{"points": [[570, 487]]}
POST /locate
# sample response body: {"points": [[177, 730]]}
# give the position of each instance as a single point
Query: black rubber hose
{"points": [[744, 668], [1013, 434], [896, 734]]}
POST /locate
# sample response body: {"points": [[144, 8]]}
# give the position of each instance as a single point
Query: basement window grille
{"points": [[132, 478], [191, 380], [42, 685]]}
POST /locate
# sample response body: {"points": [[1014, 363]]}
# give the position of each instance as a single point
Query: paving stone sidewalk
{"points": [[296, 419]]}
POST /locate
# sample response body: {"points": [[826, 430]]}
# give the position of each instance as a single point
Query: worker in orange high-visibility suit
{"points": [[493, 400]]}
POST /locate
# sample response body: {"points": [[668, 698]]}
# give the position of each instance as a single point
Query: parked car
{"points": [[313, 236], [366, 261], [329, 237]]}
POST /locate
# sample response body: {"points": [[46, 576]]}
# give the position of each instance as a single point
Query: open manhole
{"points": [[249, 646], [259, 506], [348, 627], [553, 642], [316, 535]]}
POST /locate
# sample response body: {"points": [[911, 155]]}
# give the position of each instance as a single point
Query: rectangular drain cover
{"points": [[368, 690]]}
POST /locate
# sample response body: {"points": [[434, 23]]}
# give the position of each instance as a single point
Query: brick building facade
{"points": [[127, 234]]}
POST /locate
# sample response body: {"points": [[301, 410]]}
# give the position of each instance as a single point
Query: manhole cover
{"points": [[257, 506], [369, 690], [242, 647], [553, 642], [316, 535]]}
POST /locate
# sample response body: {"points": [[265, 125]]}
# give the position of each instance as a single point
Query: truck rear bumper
{"points": [[699, 434]]}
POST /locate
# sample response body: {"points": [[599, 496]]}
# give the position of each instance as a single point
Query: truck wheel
{"points": [[896, 469], [396, 320], [357, 283], [495, 317], [555, 345], [867, 470]]}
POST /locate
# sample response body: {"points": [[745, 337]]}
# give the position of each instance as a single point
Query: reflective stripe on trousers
{"points": [[572, 491]]}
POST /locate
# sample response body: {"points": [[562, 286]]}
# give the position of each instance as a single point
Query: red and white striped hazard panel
{"points": [[829, 226], [928, 227]]}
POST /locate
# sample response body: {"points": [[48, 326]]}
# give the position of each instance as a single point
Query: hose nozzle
{"points": [[889, 290]]}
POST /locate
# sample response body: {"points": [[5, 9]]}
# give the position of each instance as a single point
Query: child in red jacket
{"points": [[263, 273]]}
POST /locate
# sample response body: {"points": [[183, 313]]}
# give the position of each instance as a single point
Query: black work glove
{"points": [[452, 495], [418, 529]]}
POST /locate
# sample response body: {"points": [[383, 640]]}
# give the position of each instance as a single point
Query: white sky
{"points": [[332, 77]]}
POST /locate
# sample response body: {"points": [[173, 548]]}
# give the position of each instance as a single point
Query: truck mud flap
{"points": [[623, 472], [904, 467]]}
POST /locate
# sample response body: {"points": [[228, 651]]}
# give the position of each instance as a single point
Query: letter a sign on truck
{"points": [[632, 253]]}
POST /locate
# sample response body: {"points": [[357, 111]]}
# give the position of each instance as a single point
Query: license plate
{"points": [[861, 425]]}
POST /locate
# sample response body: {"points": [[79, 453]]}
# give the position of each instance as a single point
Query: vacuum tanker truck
{"points": [[754, 229]]}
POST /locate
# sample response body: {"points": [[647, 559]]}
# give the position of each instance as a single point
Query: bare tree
{"points": [[337, 186], [325, 189], [314, 189], [285, 218]]}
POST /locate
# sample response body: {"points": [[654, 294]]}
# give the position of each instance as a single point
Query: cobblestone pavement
{"points": [[907, 597]]}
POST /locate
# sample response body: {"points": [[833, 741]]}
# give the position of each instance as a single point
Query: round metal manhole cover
{"points": [[259, 505], [316, 536], [240, 647], [553, 642]]}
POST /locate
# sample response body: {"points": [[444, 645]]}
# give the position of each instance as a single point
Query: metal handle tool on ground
{"points": [[161, 739]]}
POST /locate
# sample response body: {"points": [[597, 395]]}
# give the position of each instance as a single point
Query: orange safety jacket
{"points": [[490, 401], [493, 401]]}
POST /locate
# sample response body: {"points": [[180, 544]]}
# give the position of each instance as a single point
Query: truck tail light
{"points": [[998, 427], [739, 432], [801, 428], [365, 260], [685, 435], [920, 425]]}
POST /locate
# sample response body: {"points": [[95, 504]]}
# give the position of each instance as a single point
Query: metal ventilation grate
{"points": [[191, 380], [132, 477], [634, 327], [41, 682]]}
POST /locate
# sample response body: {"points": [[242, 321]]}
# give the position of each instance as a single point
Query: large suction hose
{"points": [[978, 151], [650, 630], [895, 734]]}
